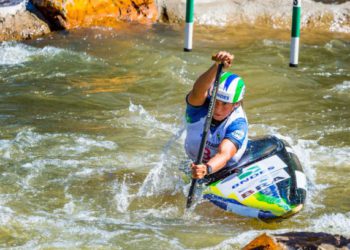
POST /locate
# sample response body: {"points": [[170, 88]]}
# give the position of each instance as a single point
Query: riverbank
{"points": [[316, 16], [43, 16]]}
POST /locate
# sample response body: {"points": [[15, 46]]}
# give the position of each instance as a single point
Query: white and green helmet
{"points": [[231, 88]]}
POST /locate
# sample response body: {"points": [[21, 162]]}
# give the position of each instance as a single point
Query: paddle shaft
{"points": [[205, 133]]}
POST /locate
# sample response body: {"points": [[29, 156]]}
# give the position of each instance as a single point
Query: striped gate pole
{"points": [[189, 25], [294, 46]]}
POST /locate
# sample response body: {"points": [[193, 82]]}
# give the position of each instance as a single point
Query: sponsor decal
{"points": [[238, 134], [266, 184], [213, 145], [301, 180], [223, 96], [254, 178]]}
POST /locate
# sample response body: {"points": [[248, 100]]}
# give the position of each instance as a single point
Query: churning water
{"points": [[91, 136]]}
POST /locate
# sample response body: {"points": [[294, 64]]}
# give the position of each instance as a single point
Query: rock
{"points": [[269, 13], [20, 22], [64, 14], [299, 240]]}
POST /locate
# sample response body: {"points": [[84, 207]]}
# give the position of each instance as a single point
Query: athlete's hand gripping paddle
{"points": [[205, 133]]}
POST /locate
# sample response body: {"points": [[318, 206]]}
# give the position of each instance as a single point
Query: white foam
{"points": [[138, 116], [5, 151], [237, 242], [344, 87], [158, 179], [24, 139], [169, 212], [16, 53], [6, 215], [13, 53], [69, 206], [70, 145], [335, 157], [88, 142], [52, 162], [122, 198], [334, 223]]}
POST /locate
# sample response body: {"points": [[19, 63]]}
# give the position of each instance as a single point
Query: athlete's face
{"points": [[222, 110]]}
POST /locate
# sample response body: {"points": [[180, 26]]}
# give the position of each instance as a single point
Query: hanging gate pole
{"points": [[189, 25], [294, 46]]}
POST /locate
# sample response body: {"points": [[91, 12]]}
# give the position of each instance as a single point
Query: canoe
{"points": [[267, 183]]}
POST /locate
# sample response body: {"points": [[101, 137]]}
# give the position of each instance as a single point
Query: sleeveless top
{"points": [[234, 128]]}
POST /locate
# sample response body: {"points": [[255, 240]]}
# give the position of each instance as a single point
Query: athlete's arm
{"points": [[226, 150], [199, 92]]}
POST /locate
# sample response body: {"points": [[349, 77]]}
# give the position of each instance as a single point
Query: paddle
{"points": [[205, 133]]}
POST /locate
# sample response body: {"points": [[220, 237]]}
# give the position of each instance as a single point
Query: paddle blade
{"points": [[191, 194]]}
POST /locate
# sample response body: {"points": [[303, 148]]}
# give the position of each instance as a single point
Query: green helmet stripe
{"points": [[239, 89], [224, 76]]}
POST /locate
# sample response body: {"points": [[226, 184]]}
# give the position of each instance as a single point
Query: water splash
{"points": [[27, 139], [344, 87], [122, 198], [15, 53], [162, 177], [335, 223], [136, 116]]}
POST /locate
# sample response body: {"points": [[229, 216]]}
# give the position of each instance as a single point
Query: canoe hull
{"points": [[268, 183]]}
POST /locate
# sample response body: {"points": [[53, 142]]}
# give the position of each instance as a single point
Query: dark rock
{"points": [[300, 241]]}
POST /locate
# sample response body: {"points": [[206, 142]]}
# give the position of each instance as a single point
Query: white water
{"points": [[90, 152]]}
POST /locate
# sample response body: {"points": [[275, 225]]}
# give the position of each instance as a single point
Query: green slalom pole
{"points": [[294, 45], [189, 25]]}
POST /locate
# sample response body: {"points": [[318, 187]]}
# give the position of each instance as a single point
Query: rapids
{"points": [[91, 136]]}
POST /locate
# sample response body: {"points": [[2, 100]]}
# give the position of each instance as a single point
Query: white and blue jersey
{"points": [[234, 128]]}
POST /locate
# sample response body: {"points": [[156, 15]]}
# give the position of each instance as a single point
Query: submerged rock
{"points": [[299, 240], [86, 13], [19, 20]]}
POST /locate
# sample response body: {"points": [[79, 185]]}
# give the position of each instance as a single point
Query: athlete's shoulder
{"points": [[195, 113]]}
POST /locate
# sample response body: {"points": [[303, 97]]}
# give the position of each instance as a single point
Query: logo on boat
{"points": [[264, 184], [254, 178], [250, 174]]}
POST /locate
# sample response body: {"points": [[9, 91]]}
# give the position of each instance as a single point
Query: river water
{"points": [[92, 135]]}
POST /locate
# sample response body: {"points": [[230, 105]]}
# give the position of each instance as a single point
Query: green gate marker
{"points": [[294, 46], [189, 25]]}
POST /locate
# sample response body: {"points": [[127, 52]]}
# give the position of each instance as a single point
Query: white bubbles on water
{"points": [[122, 197], [69, 144], [137, 117], [336, 157], [24, 140], [335, 223], [161, 178], [12, 53], [15, 53], [6, 214], [84, 144], [344, 87]]}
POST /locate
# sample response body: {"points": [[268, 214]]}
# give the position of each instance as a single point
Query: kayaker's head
{"points": [[229, 96]]}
